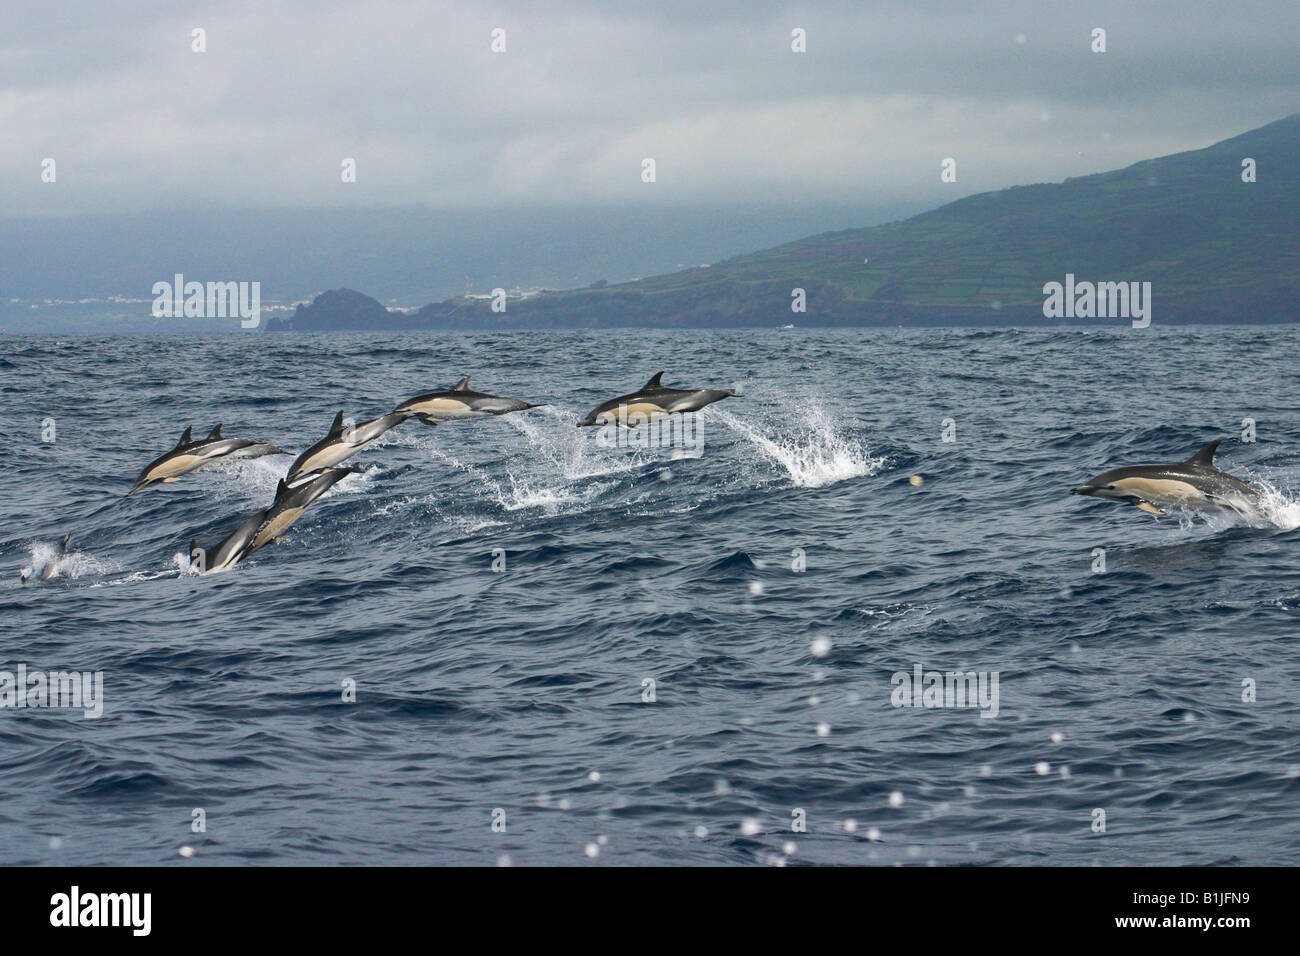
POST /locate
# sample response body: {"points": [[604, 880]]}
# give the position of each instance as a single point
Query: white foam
{"points": [[813, 453], [570, 450], [74, 564], [1275, 508]]}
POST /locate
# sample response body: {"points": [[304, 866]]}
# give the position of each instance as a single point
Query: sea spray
{"points": [[813, 454]]}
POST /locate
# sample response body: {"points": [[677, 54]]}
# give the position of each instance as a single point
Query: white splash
{"points": [[74, 564], [813, 454], [571, 451], [1273, 509]]}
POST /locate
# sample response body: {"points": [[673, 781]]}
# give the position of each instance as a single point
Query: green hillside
{"points": [[1215, 248]]}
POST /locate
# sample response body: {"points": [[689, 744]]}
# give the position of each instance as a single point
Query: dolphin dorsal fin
{"points": [[185, 437], [338, 423], [462, 385], [1205, 456], [215, 433], [654, 382], [280, 489]]}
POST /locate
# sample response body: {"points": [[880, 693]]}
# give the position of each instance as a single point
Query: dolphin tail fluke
{"points": [[63, 545], [1205, 456]]}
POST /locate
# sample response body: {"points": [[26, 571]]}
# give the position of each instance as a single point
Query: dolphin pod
{"points": [[1194, 484], [262, 528], [190, 455], [315, 471]]}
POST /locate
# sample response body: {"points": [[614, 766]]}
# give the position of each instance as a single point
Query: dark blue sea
{"points": [[681, 657]]}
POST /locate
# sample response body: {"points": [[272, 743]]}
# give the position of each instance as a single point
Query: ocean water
{"points": [[770, 589]]}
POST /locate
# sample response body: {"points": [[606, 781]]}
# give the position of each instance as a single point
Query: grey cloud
{"points": [[711, 91]]}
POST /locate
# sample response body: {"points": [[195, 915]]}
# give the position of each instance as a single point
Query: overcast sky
{"points": [[712, 91]]}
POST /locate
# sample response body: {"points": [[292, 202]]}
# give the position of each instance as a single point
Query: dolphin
{"points": [[265, 526], [190, 455], [291, 502], [341, 443], [224, 556], [1194, 484], [52, 567], [458, 402], [651, 401]]}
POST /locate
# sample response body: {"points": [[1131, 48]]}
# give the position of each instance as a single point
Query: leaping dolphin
{"points": [[341, 443], [265, 526], [190, 455], [1194, 484], [232, 548], [290, 503], [459, 402], [651, 401]]}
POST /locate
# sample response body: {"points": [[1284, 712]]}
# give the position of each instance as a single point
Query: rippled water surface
{"points": [[522, 689]]}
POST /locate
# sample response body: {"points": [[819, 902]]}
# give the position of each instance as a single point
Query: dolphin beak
{"points": [[1085, 490]]}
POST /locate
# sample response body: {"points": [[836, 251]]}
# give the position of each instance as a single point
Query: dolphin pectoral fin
{"points": [[170, 480], [431, 422], [1149, 508]]}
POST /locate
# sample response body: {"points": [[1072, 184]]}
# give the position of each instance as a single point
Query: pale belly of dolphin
{"points": [[330, 455], [1165, 491], [174, 467], [442, 409], [639, 411], [276, 526]]}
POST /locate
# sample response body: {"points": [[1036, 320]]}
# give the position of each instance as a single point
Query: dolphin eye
{"points": [[1110, 487]]}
